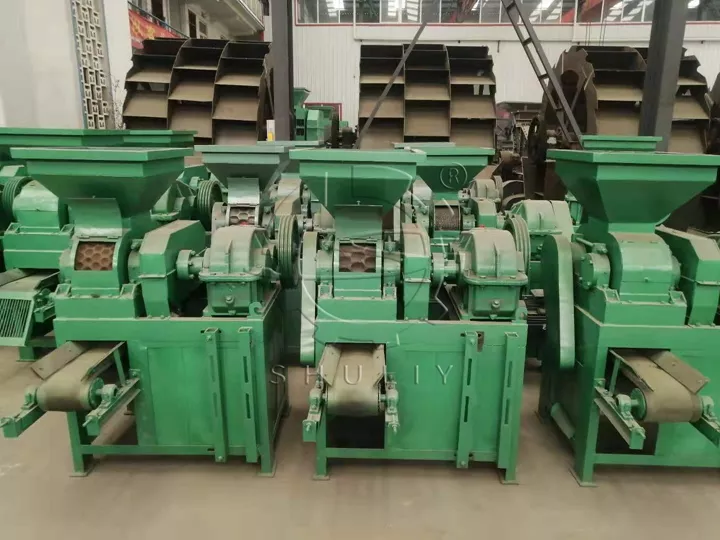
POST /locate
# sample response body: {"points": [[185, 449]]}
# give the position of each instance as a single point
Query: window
{"points": [[192, 24], [491, 11], [157, 8], [197, 27]]}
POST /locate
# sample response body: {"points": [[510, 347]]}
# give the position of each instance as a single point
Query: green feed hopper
{"points": [[61, 138], [449, 168], [292, 166], [299, 96], [158, 138], [358, 187], [346, 178], [621, 143], [633, 191], [133, 178], [259, 162]]}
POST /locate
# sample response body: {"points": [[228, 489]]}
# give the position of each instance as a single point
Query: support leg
{"points": [[547, 374], [321, 462], [82, 463], [28, 354], [515, 360], [509, 476], [267, 461], [585, 441]]}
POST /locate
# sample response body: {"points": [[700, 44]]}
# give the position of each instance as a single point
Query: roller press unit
{"points": [[418, 355], [630, 370], [436, 199], [149, 320], [262, 185]]}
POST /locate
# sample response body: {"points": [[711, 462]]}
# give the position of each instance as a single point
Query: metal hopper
{"points": [[133, 178], [633, 191]]}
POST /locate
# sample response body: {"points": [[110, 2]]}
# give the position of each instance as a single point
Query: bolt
{"points": [[229, 299], [495, 304]]}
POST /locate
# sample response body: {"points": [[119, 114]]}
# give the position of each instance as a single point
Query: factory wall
{"points": [[119, 51], [40, 86], [327, 56]]}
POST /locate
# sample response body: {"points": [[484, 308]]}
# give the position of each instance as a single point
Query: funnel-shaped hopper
{"points": [[357, 178], [56, 138], [158, 138], [252, 161], [421, 145], [449, 168], [621, 143], [134, 178], [292, 144], [292, 165], [633, 187], [299, 96]]}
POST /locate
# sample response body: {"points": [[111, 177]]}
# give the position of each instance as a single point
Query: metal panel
{"points": [[327, 61]]}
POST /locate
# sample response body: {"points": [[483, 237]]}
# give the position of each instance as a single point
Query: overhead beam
{"points": [[282, 59], [661, 79]]}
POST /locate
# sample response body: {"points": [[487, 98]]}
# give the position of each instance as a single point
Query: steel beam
{"points": [[282, 58], [666, 49]]}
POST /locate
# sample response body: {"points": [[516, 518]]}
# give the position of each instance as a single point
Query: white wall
{"points": [[39, 86], [119, 49], [215, 28], [327, 57]]}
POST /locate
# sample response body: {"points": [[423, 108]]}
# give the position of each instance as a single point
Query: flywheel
{"points": [[519, 229], [209, 192], [11, 190], [288, 241]]}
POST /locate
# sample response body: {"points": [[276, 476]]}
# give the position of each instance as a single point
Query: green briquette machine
{"points": [[419, 354], [630, 371], [150, 321], [38, 226]]}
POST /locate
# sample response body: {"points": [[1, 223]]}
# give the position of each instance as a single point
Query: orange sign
{"points": [[142, 29]]}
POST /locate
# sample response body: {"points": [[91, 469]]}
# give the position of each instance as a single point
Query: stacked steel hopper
{"points": [[443, 94], [217, 88], [604, 87]]}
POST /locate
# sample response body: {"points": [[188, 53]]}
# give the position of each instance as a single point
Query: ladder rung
{"points": [[544, 76], [526, 42]]}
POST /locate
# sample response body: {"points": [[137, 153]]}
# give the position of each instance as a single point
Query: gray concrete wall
{"points": [[39, 85]]}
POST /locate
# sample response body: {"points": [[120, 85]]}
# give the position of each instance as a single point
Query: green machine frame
{"points": [[418, 355], [185, 337], [630, 369]]}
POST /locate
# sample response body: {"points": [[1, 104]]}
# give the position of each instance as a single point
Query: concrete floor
{"points": [[196, 498]]}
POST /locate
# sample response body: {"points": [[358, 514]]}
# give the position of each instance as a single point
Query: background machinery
{"points": [[603, 86]]}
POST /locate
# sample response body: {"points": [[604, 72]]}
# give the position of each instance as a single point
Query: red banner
{"points": [[141, 29]]}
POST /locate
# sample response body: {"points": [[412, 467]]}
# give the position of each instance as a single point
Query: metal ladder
{"points": [[546, 75]]}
